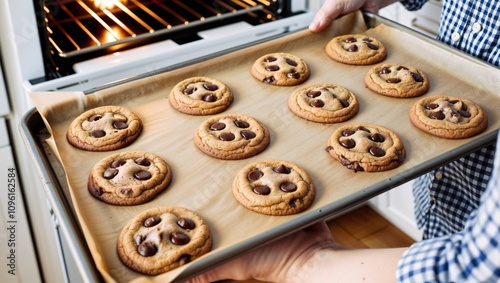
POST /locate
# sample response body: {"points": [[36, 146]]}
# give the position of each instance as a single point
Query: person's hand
{"points": [[278, 261], [332, 9]]}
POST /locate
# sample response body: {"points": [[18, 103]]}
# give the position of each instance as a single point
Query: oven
{"points": [[75, 45]]}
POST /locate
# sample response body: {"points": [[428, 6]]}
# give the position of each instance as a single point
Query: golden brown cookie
{"points": [[274, 187], [200, 96], [356, 49], [281, 69], [129, 178], [163, 238], [324, 103], [449, 117], [104, 128], [366, 147], [397, 80], [231, 136]]}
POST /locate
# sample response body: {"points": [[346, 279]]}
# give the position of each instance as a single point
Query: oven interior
{"points": [[72, 31]]}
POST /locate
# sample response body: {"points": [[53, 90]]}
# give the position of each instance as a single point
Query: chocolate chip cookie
{"points": [[366, 147], [280, 69], [200, 96], [129, 178], [397, 80], [356, 49], [324, 103], [449, 117], [274, 187], [231, 136], [104, 128], [163, 238]]}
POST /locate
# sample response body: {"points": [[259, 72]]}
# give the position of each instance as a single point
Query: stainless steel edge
{"points": [[29, 126]]}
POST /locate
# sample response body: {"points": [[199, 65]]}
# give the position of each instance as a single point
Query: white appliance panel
{"points": [[4, 102]]}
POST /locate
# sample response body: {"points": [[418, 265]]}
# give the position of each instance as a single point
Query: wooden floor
{"points": [[362, 228]]}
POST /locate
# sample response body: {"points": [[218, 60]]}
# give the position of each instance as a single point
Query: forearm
{"points": [[349, 265]]}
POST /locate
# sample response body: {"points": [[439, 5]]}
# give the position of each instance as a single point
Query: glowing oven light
{"points": [[107, 4]]}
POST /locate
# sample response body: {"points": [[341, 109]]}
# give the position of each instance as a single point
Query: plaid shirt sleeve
{"points": [[413, 5], [472, 255]]}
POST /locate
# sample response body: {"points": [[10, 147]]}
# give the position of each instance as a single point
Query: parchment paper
{"points": [[203, 184]]}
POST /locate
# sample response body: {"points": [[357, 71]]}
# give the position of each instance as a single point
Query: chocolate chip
{"points": [[241, 124], [282, 169], [248, 135], [293, 75], [417, 77], [94, 118], [185, 258], [366, 39], [152, 221], [439, 115], [377, 137], [291, 62], [262, 190], [464, 107], [313, 93], [350, 40], [361, 128], [120, 125], [226, 136], [254, 175], [328, 148], [464, 113], [189, 90], [288, 187], [126, 191], [393, 80], [118, 163], [142, 161], [401, 68], [217, 126], [384, 70], [269, 80], [142, 175], [317, 103], [272, 68], [376, 151], [270, 59], [352, 48], [293, 203], [372, 46], [431, 106], [347, 133], [186, 223], [110, 173], [344, 103], [454, 101], [348, 143], [147, 249], [97, 133], [178, 238], [211, 87], [210, 98]]}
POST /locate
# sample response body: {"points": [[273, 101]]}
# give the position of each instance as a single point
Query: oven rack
{"points": [[77, 27]]}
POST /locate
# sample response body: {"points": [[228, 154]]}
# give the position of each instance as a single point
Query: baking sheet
{"points": [[203, 184]]}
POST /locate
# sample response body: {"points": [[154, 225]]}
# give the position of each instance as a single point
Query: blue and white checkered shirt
{"points": [[469, 25], [472, 255], [448, 196], [445, 197]]}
